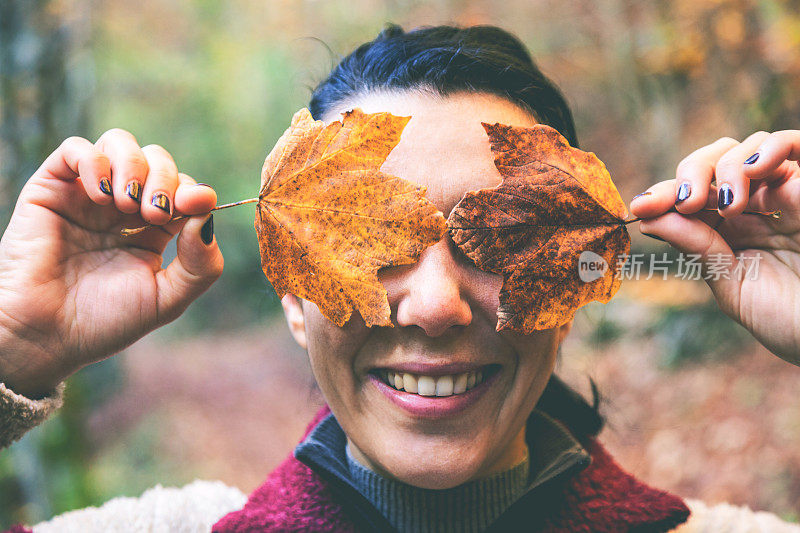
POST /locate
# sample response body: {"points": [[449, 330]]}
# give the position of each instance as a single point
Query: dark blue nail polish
{"points": [[134, 191], [656, 237], [207, 231], [204, 185], [645, 193], [161, 201], [105, 186], [725, 196], [684, 191], [752, 159]]}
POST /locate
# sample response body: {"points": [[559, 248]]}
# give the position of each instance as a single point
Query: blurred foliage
{"points": [[695, 334], [45, 86], [216, 83], [677, 314]]}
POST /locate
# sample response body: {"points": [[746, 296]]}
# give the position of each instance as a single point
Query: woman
{"points": [[517, 452]]}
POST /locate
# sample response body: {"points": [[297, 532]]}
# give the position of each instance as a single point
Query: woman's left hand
{"points": [[759, 174]]}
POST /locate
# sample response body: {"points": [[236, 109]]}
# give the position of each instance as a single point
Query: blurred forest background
{"points": [[694, 405]]}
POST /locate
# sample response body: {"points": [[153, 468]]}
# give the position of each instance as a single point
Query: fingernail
{"points": [[684, 191], [654, 237], [725, 196], [204, 185], [645, 193], [207, 231], [134, 191], [105, 186], [161, 201], [752, 159]]}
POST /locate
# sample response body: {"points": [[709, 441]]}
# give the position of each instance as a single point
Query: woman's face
{"points": [[444, 316]]}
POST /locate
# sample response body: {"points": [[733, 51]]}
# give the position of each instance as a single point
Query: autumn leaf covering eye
{"points": [[555, 203], [327, 219]]}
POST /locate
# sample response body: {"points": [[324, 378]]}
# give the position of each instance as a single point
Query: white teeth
{"points": [[460, 384], [410, 383], [444, 386], [426, 386], [433, 385]]}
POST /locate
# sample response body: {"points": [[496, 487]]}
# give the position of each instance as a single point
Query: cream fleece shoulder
{"points": [[726, 518], [192, 508]]}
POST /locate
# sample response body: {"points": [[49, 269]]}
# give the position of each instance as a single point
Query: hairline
{"points": [[349, 102]]}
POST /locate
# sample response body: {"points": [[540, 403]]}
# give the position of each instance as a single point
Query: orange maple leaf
{"points": [[327, 218], [555, 203]]}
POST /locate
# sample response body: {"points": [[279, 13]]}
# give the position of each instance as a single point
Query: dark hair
{"points": [[448, 60]]}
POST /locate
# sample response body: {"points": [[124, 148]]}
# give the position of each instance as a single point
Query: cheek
{"points": [[490, 285], [485, 292], [332, 350], [537, 359]]}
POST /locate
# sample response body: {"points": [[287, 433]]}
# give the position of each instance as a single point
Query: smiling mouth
{"points": [[436, 386]]}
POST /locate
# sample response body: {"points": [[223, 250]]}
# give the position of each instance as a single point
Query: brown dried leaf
{"points": [[327, 218], [554, 203]]}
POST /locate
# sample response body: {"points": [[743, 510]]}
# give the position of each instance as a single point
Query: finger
{"points": [[77, 157], [695, 173], [159, 187], [659, 201], [656, 200], [128, 168], [732, 184], [194, 198], [692, 236], [696, 170], [783, 196], [198, 264], [768, 161]]}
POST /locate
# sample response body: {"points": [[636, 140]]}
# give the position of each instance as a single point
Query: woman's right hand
{"points": [[73, 290]]}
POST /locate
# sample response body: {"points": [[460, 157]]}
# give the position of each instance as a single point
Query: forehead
{"points": [[443, 147]]}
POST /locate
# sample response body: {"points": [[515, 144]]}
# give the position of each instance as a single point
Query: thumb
{"points": [[198, 264], [692, 236]]}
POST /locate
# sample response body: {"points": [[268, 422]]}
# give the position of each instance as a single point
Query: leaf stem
{"points": [[770, 214], [125, 232]]}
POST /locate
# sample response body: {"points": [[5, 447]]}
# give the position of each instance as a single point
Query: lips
{"points": [[434, 393]]}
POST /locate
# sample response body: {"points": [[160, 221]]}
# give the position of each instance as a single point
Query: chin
{"points": [[435, 476], [431, 462]]}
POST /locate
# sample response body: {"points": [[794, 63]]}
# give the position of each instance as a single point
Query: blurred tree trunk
{"points": [[45, 86]]}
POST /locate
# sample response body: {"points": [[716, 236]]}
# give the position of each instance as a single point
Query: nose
{"points": [[430, 293]]}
